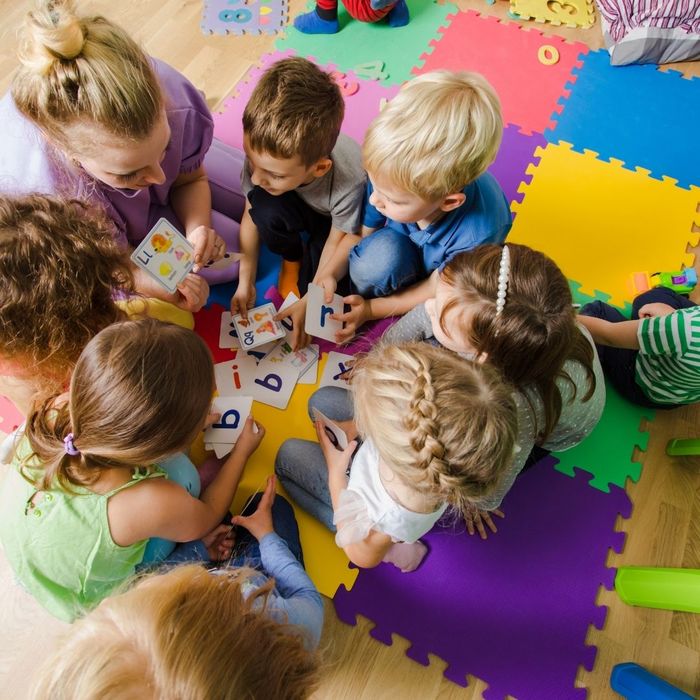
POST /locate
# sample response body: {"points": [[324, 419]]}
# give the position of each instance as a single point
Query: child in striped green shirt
{"points": [[654, 359]]}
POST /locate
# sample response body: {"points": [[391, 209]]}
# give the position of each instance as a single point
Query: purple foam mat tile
{"points": [[516, 153], [512, 610]]}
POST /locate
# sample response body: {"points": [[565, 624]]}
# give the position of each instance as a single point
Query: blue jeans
{"points": [[179, 469], [300, 465], [620, 364], [385, 262]]}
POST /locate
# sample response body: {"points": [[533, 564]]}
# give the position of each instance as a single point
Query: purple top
{"points": [[28, 163]]}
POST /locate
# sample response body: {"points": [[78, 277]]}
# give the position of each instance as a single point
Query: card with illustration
{"points": [[165, 254], [302, 359], [335, 433], [337, 364], [234, 410], [229, 257], [234, 377], [310, 376], [260, 327], [318, 321]]}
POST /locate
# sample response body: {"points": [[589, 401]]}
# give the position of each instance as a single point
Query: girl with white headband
{"points": [[511, 307]]}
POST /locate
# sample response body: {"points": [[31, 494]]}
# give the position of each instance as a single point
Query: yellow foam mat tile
{"points": [[325, 562], [572, 13], [601, 223]]}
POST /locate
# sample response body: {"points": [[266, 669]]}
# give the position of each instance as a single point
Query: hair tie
{"points": [[69, 447], [503, 275]]}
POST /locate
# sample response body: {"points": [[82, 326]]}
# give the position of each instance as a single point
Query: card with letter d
{"points": [[165, 254]]}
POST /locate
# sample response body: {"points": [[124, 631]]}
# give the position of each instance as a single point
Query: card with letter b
{"points": [[165, 254], [260, 327], [234, 411]]}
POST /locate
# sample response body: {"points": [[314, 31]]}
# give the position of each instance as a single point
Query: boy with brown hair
{"points": [[304, 182]]}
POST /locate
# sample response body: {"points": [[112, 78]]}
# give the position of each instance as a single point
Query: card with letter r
{"points": [[318, 320], [165, 254], [260, 327], [234, 410], [274, 383], [336, 365]]}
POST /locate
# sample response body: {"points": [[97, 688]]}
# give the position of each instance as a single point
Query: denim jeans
{"points": [[384, 263], [619, 364], [300, 465]]}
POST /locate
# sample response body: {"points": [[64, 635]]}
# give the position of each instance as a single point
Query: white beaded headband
{"points": [[503, 275]]}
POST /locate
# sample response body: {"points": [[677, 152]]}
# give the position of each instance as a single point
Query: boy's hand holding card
{"points": [[165, 254], [318, 314], [259, 328]]}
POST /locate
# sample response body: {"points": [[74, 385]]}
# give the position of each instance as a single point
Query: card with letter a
{"points": [[260, 327], [165, 254]]}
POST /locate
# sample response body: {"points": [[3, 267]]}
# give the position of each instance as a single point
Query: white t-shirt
{"points": [[366, 505]]}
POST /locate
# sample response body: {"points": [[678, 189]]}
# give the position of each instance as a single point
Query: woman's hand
{"points": [[208, 245]]}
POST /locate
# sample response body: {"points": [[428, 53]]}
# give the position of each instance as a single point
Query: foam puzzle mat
{"points": [[512, 610]]}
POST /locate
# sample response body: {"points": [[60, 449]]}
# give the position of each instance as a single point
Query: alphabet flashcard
{"points": [[337, 364], [233, 378], [302, 359], [224, 262], [165, 254], [273, 383], [310, 376], [318, 320], [335, 433], [259, 328], [228, 335], [234, 410]]}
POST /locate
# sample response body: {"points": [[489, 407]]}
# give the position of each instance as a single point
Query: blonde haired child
{"points": [[83, 495], [511, 307], [189, 634], [436, 431], [90, 115], [429, 196]]}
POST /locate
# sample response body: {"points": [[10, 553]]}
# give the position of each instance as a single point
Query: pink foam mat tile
{"points": [[363, 100], [509, 56]]}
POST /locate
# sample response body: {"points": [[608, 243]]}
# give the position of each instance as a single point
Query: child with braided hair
{"points": [[510, 307], [436, 432]]}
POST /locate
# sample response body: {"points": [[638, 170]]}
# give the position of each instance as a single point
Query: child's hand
{"points": [[208, 245], [219, 542], [297, 312], [259, 523], [358, 314], [329, 285], [193, 293], [249, 440], [655, 309], [337, 461], [477, 518], [210, 420], [243, 299]]}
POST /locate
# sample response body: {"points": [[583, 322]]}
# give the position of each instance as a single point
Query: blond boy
{"points": [[429, 196], [304, 181]]}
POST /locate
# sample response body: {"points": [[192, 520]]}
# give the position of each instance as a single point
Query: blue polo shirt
{"points": [[483, 218]]}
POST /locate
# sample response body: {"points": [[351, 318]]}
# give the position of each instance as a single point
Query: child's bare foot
{"points": [[406, 556]]}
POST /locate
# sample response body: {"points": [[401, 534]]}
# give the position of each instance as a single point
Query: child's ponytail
{"points": [[534, 334]]}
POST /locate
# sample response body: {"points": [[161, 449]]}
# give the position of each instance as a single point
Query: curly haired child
{"points": [[437, 432]]}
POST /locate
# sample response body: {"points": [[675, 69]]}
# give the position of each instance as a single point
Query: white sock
{"points": [[406, 556]]}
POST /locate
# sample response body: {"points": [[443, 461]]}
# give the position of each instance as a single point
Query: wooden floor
{"points": [[664, 529]]}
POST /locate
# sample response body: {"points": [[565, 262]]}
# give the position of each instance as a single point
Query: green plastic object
{"points": [[665, 589], [683, 448]]}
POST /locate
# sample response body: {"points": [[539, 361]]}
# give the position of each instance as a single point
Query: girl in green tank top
{"points": [[83, 497]]}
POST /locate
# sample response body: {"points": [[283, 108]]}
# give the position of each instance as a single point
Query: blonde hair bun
{"points": [[52, 32]]}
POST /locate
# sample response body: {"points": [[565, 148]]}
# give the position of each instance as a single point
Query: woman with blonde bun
{"points": [[91, 116]]}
